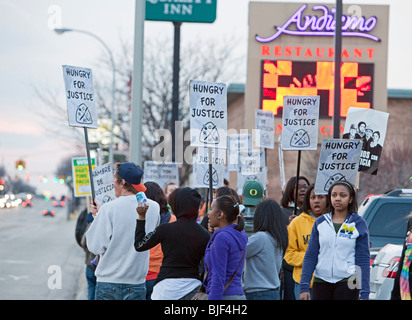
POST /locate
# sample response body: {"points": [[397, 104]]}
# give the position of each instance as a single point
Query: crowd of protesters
{"points": [[246, 247]]}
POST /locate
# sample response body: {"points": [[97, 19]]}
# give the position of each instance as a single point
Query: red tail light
{"points": [[44, 212], [62, 203], [55, 203], [390, 271], [52, 212]]}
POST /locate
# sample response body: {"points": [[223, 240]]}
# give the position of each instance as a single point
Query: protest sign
{"points": [[300, 122], [168, 172], [81, 110], [258, 176], [208, 114], [81, 182], [161, 173], [236, 144], [265, 126], [251, 162], [370, 127], [338, 160], [202, 165], [103, 183]]}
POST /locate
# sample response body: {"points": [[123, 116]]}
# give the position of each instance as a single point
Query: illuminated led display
{"points": [[284, 77]]}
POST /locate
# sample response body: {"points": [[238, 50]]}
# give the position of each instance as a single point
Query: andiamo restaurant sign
{"points": [[291, 52]]}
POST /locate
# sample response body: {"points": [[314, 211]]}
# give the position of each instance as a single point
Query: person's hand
{"points": [[142, 209], [211, 229], [94, 208], [304, 296]]}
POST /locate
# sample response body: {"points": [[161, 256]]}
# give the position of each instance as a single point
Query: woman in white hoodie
{"points": [[338, 251]]}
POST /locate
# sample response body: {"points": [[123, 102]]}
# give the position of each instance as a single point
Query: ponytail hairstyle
{"points": [[230, 208]]}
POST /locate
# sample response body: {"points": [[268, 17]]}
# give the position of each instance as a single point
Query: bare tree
{"points": [[395, 170], [207, 60]]}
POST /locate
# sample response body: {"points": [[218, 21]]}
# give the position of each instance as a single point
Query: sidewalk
{"points": [[82, 286]]}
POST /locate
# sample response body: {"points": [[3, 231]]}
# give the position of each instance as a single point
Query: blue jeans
{"points": [[120, 291], [271, 294], [91, 283]]}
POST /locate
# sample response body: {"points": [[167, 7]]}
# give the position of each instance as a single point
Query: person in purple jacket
{"points": [[225, 252]]}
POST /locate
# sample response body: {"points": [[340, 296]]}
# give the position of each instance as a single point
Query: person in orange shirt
{"points": [[155, 193]]}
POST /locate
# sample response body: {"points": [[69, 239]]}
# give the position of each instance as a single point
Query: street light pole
{"points": [[63, 30], [137, 84]]}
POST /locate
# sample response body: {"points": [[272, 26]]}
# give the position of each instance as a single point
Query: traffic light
{"points": [[20, 165]]}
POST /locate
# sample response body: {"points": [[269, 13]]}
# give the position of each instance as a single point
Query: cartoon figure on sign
{"points": [[209, 133], [83, 115], [215, 177], [300, 139], [333, 179], [265, 139]]}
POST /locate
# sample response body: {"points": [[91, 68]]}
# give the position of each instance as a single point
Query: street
{"points": [[39, 256]]}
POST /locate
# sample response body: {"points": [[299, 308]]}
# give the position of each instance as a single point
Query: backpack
{"points": [[81, 226]]}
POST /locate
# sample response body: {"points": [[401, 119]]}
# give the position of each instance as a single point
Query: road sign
{"points": [[81, 182], [203, 11]]}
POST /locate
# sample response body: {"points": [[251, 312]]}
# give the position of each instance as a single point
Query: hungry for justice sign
{"points": [[81, 110], [300, 122], [338, 161], [208, 114]]}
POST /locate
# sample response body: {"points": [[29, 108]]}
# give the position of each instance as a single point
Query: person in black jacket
{"points": [[403, 280], [183, 244]]}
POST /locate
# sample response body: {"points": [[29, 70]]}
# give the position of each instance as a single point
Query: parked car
{"points": [[386, 217], [383, 272]]}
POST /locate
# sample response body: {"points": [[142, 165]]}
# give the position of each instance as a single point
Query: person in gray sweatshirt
{"points": [[121, 271], [264, 253]]}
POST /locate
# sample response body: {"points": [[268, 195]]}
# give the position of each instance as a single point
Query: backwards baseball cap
{"points": [[252, 193], [132, 174]]}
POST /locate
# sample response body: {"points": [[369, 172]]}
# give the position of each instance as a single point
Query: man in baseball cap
{"points": [[253, 192], [109, 236], [132, 174]]}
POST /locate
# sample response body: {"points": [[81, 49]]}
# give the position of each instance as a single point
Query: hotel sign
{"points": [[181, 10]]}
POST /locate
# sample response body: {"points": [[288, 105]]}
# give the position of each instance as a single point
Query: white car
{"points": [[383, 272]]}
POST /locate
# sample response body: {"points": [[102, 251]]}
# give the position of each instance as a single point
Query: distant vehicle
{"points": [[383, 272], [60, 203], [49, 213], [386, 217], [26, 203]]}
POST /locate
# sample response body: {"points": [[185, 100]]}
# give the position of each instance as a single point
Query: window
{"points": [[390, 220]]}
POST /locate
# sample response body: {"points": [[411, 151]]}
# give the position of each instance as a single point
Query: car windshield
{"points": [[390, 220]]}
